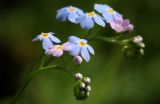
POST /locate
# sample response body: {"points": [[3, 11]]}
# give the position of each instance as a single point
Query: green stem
{"points": [[89, 33], [31, 76], [111, 40]]}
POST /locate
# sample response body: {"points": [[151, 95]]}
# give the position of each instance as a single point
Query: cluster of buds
{"points": [[135, 48], [82, 87]]}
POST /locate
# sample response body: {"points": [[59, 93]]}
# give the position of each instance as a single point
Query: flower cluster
{"points": [[88, 19], [79, 48], [82, 87], [75, 46], [135, 48]]}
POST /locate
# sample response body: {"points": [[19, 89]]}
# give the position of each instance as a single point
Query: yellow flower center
{"points": [[59, 47], [72, 9], [111, 11], [82, 44], [45, 35], [91, 14]]}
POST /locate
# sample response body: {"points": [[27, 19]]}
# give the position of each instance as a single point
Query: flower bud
{"points": [[141, 51], [77, 60], [129, 52], [137, 39], [82, 93], [82, 85], [141, 44], [88, 94], [87, 80], [78, 76], [88, 88], [35, 40]]}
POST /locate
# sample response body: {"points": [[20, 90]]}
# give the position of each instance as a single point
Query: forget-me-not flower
{"points": [[107, 12], [47, 40], [121, 25], [80, 46], [57, 50], [71, 13], [87, 20]]}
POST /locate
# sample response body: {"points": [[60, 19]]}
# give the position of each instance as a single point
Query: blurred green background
{"points": [[115, 80]]}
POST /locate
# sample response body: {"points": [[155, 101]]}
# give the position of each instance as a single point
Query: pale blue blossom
{"points": [[108, 13], [47, 40], [80, 46], [70, 13], [87, 20]]}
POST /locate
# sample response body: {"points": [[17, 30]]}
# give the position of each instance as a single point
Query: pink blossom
{"points": [[58, 50], [121, 25]]}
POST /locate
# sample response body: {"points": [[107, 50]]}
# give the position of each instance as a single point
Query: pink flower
{"points": [[121, 25], [57, 50]]}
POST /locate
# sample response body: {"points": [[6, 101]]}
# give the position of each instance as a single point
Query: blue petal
{"points": [[72, 17], [62, 16], [118, 14], [86, 22], [80, 18], [46, 43], [75, 50], [108, 17], [84, 40], [62, 9], [85, 54], [53, 38], [99, 20], [91, 50], [80, 12], [73, 39], [38, 38], [101, 7]]}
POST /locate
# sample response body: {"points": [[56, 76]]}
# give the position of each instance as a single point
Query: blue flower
{"points": [[107, 12], [71, 13], [47, 40], [87, 20], [80, 46]]}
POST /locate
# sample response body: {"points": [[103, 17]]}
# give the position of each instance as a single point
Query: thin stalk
{"points": [[31, 76], [111, 40], [89, 33]]}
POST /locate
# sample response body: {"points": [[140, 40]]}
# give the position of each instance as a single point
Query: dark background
{"points": [[115, 79]]}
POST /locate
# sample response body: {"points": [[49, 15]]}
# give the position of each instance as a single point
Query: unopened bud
{"points": [[141, 51], [141, 44], [88, 88], [125, 47], [34, 40], [82, 93], [87, 80], [78, 76], [87, 94], [129, 52], [77, 60], [137, 39], [82, 85]]}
